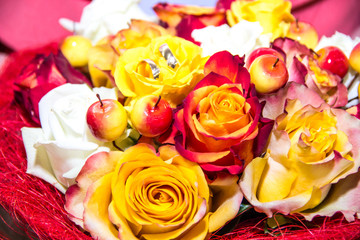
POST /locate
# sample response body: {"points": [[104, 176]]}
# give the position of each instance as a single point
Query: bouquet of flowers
{"points": [[226, 122]]}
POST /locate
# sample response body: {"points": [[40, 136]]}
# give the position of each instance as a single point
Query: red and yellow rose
{"points": [[220, 118]]}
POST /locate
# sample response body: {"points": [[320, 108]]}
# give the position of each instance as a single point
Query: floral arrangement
{"points": [[226, 122]]}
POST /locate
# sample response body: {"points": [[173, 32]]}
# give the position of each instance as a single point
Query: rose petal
{"points": [[200, 231], [96, 216], [172, 14], [200, 157], [292, 48], [190, 223], [47, 101], [297, 71], [225, 64], [276, 182], [43, 74], [226, 202], [71, 75], [224, 4], [37, 159], [125, 231], [187, 25], [328, 85], [343, 197], [261, 140], [232, 169], [275, 103], [249, 184], [351, 127], [211, 79], [65, 157], [95, 167]]}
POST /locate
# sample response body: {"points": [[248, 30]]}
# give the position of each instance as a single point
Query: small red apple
{"points": [[259, 52], [151, 115], [304, 33], [333, 59], [106, 119], [354, 58], [268, 73]]}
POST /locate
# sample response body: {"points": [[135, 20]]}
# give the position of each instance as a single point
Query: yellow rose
{"points": [[176, 77], [103, 56], [310, 151], [139, 194], [273, 15]]}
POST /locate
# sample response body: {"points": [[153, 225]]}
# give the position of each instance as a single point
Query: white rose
{"points": [[346, 44], [240, 39], [105, 17], [57, 151]]}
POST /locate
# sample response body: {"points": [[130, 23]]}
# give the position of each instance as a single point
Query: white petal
{"points": [[46, 103], [37, 160], [241, 39], [68, 24], [101, 18], [64, 156]]}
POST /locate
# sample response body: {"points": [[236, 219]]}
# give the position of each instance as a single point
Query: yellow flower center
{"points": [[224, 112], [322, 78], [313, 135]]}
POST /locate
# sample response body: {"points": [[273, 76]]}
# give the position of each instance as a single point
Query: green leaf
{"points": [[278, 220]]}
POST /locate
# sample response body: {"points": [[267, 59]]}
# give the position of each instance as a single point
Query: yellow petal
{"points": [[126, 231], [101, 58], [276, 182], [226, 201], [273, 15], [317, 195], [96, 216], [200, 231], [202, 209]]}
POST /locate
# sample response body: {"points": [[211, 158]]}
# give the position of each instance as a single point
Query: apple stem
{"points": [[297, 23], [157, 102], [101, 103], [316, 54], [277, 60]]}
